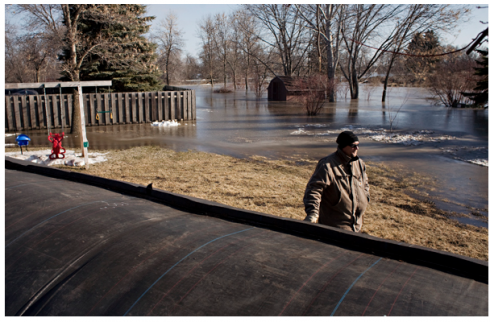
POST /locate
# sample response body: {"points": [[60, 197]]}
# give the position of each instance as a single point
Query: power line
{"points": [[473, 44]]}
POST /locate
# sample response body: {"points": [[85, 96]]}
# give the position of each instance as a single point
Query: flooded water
{"points": [[443, 143]]}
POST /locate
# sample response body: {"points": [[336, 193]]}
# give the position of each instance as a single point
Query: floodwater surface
{"points": [[444, 140]]}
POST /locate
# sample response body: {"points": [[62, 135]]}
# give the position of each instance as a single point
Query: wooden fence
{"points": [[26, 112]]}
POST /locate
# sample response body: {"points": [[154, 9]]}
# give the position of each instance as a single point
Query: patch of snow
{"points": [[71, 159], [403, 139], [10, 144], [332, 132], [300, 131], [481, 162], [363, 131], [9, 134], [206, 110], [409, 138], [165, 123], [380, 135]]}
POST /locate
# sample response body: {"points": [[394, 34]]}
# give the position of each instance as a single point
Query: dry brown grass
{"points": [[276, 187]]}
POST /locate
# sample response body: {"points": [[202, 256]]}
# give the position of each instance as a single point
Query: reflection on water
{"points": [[240, 125]]}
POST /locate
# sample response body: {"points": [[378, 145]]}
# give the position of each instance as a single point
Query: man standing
{"points": [[338, 191]]}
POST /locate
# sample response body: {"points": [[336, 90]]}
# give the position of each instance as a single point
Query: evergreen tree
{"points": [[123, 55], [480, 96], [426, 43]]}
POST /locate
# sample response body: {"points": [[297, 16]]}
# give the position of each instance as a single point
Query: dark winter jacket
{"points": [[338, 192]]}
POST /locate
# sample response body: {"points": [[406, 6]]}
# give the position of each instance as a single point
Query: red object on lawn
{"points": [[56, 151]]}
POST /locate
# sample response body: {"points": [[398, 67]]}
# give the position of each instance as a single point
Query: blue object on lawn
{"points": [[22, 140]]}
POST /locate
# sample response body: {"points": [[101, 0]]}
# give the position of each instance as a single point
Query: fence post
{"points": [[107, 114], [127, 108], [111, 107], [147, 107], [18, 125], [193, 104], [40, 112], [32, 112], [178, 109], [134, 118], [91, 110], [98, 99], [189, 107], [23, 114], [62, 111], [166, 107], [69, 101], [172, 105], [154, 104], [56, 121], [161, 117], [140, 107], [8, 112], [120, 114], [184, 108]]}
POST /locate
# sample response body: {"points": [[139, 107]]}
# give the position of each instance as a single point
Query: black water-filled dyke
{"points": [[78, 245]]}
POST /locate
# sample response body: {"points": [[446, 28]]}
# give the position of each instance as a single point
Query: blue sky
{"points": [[189, 16]]}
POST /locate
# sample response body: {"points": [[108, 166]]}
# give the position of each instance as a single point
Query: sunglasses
{"points": [[354, 146]]}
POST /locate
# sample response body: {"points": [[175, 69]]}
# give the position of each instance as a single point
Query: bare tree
{"points": [[221, 41], [36, 53], [417, 18], [42, 17], [284, 32], [248, 41], [15, 69], [453, 76], [259, 75], [312, 92], [192, 68], [394, 110], [171, 41], [208, 56], [236, 55], [324, 20], [36, 49], [364, 22]]}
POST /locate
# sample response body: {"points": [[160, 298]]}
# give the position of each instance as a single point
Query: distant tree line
{"points": [[352, 44]]}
